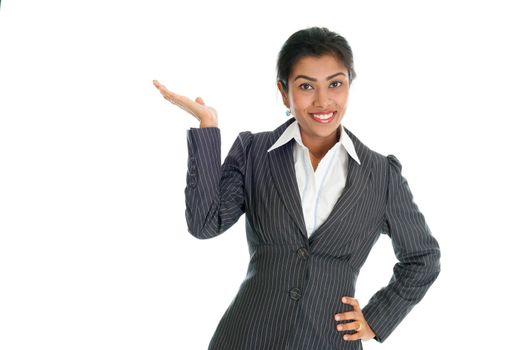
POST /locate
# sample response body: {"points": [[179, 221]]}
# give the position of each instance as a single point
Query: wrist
{"points": [[209, 123]]}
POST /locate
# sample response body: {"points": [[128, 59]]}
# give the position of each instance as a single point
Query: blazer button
{"points": [[303, 253], [294, 293]]}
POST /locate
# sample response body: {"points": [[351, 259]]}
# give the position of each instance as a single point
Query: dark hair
{"points": [[313, 41]]}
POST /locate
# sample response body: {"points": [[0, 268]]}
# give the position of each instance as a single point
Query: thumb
{"points": [[199, 100]]}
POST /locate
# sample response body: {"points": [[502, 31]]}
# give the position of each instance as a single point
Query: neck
{"points": [[321, 145]]}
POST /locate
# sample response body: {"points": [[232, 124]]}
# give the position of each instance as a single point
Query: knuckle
{"points": [[348, 315]]}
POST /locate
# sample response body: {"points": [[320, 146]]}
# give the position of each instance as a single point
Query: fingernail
{"points": [[337, 317], [345, 299]]}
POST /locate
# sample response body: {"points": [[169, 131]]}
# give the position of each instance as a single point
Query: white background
{"points": [[94, 247]]}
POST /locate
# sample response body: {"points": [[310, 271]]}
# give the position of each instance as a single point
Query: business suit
{"points": [[294, 283]]}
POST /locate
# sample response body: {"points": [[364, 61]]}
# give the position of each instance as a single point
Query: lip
{"points": [[326, 121], [323, 112]]}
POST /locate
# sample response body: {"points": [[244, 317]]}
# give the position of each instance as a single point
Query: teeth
{"points": [[323, 116]]}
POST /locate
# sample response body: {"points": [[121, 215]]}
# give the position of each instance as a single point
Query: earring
{"points": [[288, 112]]}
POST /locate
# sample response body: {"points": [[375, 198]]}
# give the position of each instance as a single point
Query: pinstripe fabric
{"points": [[320, 188], [294, 283]]}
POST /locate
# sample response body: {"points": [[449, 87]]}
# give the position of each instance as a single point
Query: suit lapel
{"points": [[356, 183], [282, 170]]}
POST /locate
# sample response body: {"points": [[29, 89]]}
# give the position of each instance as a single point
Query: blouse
{"points": [[320, 189]]}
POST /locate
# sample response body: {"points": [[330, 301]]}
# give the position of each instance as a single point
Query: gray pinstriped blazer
{"points": [[294, 284]]}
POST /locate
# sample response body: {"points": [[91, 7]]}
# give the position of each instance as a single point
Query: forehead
{"points": [[320, 67]]}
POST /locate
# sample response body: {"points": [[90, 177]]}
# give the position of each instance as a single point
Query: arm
{"points": [[214, 193], [416, 249]]}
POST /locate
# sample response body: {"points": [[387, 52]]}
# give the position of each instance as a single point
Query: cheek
{"points": [[302, 100], [341, 98]]}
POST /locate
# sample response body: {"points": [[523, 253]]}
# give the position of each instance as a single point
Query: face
{"points": [[318, 86]]}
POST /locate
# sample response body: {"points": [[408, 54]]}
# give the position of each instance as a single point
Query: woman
{"points": [[316, 200]]}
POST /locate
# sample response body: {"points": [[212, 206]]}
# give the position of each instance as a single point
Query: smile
{"points": [[323, 118]]}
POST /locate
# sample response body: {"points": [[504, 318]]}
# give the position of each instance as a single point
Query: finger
{"points": [[354, 336], [160, 86], [348, 326], [200, 101], [182, 101], [167, 93], [351, 301], [349, 315], [164, 91]]}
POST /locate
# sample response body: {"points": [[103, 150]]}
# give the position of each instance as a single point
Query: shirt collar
{"points": [[293, 132]]}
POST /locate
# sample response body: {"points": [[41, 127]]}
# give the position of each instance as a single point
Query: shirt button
{"points": [[303, 253], [294, 293]]}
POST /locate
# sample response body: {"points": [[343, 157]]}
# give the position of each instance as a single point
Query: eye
{"points": [[304, 84]]}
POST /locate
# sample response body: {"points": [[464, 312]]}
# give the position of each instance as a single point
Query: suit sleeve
{"points": [[214, 193], [418, 255]]}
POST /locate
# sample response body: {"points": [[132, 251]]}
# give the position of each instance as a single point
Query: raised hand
{"points": [[207, 115]]}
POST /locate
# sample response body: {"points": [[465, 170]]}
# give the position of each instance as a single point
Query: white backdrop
{"points": [[94, 247]]}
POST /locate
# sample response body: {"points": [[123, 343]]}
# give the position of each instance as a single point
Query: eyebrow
{"points": [[314, 79]]}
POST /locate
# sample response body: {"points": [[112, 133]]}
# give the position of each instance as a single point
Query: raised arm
{"points": [[214, 193], [418, 255]]}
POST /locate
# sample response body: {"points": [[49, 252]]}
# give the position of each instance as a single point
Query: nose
{"points": [[321, 98]]}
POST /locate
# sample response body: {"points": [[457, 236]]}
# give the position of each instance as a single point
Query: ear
{"points": [[283, 93]]}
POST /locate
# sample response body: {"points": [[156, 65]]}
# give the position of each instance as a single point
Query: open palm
{"points": [[207, 115]]}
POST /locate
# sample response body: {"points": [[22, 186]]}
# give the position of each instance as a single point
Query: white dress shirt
{"points": [[320, 189]]}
